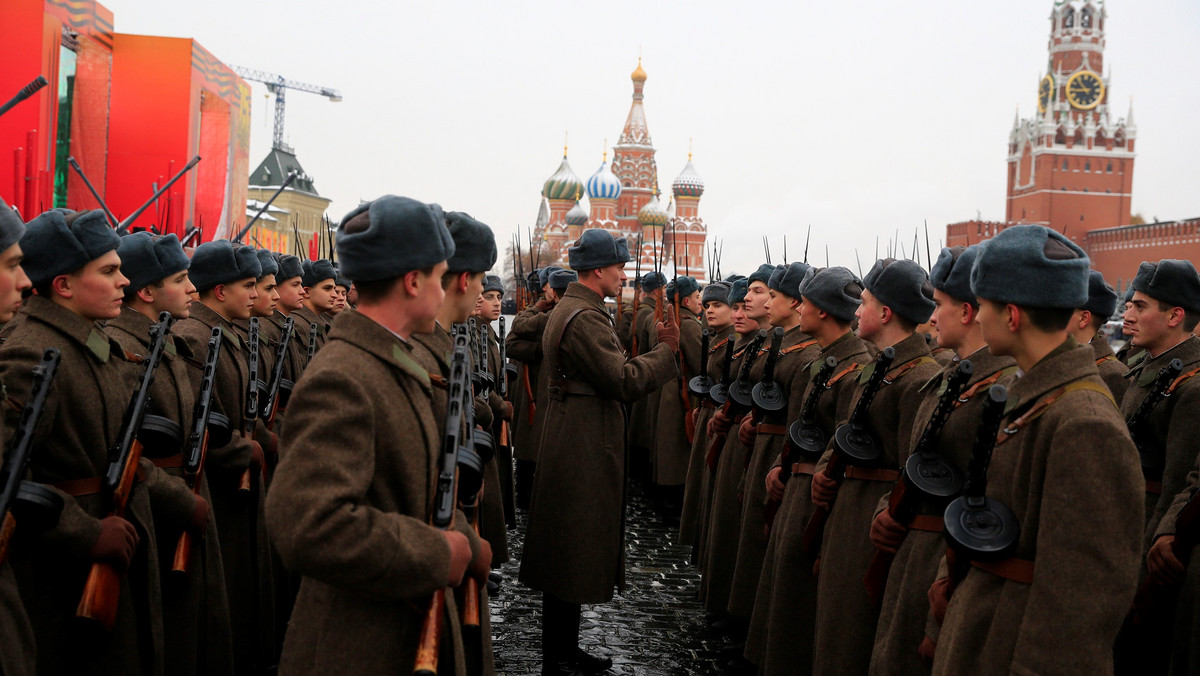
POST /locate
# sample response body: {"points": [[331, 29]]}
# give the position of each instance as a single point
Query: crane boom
{"points": [[278, 85]]}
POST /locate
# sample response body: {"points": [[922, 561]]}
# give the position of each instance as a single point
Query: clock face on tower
{"points": [[1085, 90], [1045, 93]]}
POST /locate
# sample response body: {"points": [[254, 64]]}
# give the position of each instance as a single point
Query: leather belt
{"points": [[1012, 568], [81, 487], [780, 430], [575, 387], [806, 468], [928, 523], [169, 461], [1154, 487], [872, 473]]}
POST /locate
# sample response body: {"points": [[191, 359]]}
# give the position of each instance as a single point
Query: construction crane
{"points": [[278, 85]]}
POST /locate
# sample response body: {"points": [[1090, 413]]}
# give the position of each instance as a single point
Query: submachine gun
{"points": [[719, 394], [739, 397], [250, 415], [805, 438], [1152, 457], [701, 385]]}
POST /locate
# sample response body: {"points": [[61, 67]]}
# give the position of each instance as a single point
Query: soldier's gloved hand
{"points": [[824, 490], [544, 305], [747, 431], [887, 534], [199, 520], [926, 649], [481, 566], [460, 557], [939, 598], [117, 542], [1162, 563], [667, 331], [719, 423], [775, 487]]}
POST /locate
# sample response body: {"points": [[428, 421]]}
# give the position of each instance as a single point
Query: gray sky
{"points": [[860, 118]]}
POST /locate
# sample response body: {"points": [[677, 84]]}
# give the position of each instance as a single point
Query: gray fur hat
{"points": [[146, 259], [762, 274], [737, 292], [902, 286], [317, 271], [1031, 265], [11, 226], [289, 267], [401, 235], [544, 274], [493, 283], [791, 282], [951, 273], [474, 244], [1170, 281], [653, 281], [597, 248], [684, 286], [58, 242], [835, 290], [266, 261], [561, 279], [776, 275], [717, 291], [218, 262], [1102, 298]]}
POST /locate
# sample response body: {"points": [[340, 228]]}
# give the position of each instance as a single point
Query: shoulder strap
{"points": [[907, 366], [799, 346], [984, 384], [1044, 403], [1183, 378], [551, 355], [720, 344], [853, 368], [1107, 357]]}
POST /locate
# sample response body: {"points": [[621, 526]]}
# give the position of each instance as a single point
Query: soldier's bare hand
{"points": [[719, 423], [1162, 563], [775, 487], [824, 490], [926, 649], [460, 557], [939, 598], [482, 564], [887, 534], [747, 431]]}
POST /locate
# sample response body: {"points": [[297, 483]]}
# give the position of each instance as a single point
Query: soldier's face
{"points": [[741, 322], [95, 291], [948, 320], [268, 296], [810, 317], [756, 301], [994, 320], [1150, 326], [779, 308], [13, 281], [718, 314], [291, 295], [870, 316], [490, 306], [427, 296], [238, 298], [175, 295], [320, 296]]}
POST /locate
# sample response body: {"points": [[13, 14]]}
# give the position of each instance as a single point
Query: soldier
{"points": [[897, 298], [918, 546], [719, 319], [489, 311], [17, 650], [782, 628], [1064, 465], [1086, 327], [320, 289], [351, 500], [574, 543], [227, 281], [342, 286], [1128, 355], [1165, 568], [290, 287], [525, 345], [643, 413], [73, 265], [672, 441], [1162, 317]]}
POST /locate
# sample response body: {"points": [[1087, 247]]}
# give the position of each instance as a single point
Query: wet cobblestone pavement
{"points": [[655, 627]]}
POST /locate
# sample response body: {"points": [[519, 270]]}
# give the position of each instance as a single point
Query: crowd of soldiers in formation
{"points": [[229, 461]]}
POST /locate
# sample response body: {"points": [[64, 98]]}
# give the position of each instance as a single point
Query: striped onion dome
{"points": [[577, 216], [653, 214], [604, 184], [564, 184], [688, 183]]}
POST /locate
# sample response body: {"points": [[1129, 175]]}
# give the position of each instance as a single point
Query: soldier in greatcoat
{"points": [[764, 433], [919, 546], [643, 412], [196, 625], [1064, 464], [1086, 327], [320, 289], [350, 505], [226, 279], [525, 346], [1165, 568], [672, 445], [782, 628], [489, 311], [574, 545], [896, 298], [1162, 316]]}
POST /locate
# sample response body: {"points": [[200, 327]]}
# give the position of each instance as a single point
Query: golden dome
{"points": [[639, 75]]}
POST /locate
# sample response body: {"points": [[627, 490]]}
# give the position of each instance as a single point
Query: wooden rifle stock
{"points": [[251, 412], [193, 467]]}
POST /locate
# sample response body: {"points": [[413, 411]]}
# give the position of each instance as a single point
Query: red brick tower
{"points": [[1070, 167], [633, 162], [688, 231]]}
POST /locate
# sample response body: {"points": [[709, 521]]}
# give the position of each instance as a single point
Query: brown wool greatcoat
{"points": [[693, 488], [574, 544], [502, 497], [782, 627], [525, 345], [1185, 650], [245, 551], [350, 504], [671, 446], [845, 617], [18, 653], [797, 350], [1071, 477], [196, 624], [81, 421], [306, 318], [1112, 371], [642, 412], [725, 509], [905, 606]]}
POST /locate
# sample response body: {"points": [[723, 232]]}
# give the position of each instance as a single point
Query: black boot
{"points": [[591, 664], [560, 636]]}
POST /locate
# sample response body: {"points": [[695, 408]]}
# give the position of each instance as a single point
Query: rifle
{"points": [[1155, 599], [26, 91], [733, 406], [193, 462], [720, 396], [926, 477], [1152, 457], [283, 186], [442, 518], [102, 590], [804, 436], [978, 527], [112, 220], [312, 342], [34, 505], [637, 298], [277, 393], [472, 458], [852, 441], [251, 411], [124, 225]]}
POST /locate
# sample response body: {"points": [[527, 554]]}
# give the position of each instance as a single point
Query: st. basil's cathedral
{"points": [[623, 197]]}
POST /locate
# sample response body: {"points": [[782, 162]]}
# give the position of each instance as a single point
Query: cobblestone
{"points": [[655, 628]]}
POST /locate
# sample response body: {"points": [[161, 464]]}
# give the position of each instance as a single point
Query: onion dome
{"points": [[564, 184], [638, 75], [604, 184], [688, 183], [577, 216], [653, 214]]}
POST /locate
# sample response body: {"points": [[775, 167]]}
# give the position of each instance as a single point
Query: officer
{"points": [[574, 542], [351, 500], [1063, 464], [1086, 327]]}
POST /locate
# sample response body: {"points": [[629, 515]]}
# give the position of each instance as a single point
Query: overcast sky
{"points": [[860, 118]]}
